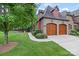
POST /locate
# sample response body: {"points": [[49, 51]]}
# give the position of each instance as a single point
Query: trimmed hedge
{"points": [[36, 31], [74, 32], [39, 34]]}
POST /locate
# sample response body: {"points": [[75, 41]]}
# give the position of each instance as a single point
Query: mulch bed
{"points": [[7, 47]]}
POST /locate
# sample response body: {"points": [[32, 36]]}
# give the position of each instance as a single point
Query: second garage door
{"points": [[62, 29], [51, 29]]}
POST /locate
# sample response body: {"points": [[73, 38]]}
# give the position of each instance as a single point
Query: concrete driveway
{"points": [[70, 43]]}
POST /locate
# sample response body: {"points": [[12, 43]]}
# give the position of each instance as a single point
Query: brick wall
{"points": [[55, 13], [39, 25]]}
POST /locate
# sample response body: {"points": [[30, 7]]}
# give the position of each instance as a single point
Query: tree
{"points": [[25, 15], [20, 15], [6, 22]]}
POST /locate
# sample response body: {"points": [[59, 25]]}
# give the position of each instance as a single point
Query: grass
{"points": [[27, 47]]}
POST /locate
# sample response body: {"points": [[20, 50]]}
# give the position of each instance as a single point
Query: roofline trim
{"points": [[54, 18]]}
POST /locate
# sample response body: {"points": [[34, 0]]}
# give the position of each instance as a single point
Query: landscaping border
{"points": [[39, 40]]}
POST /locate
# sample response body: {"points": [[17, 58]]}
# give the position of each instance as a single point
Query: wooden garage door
{"points": [[51, 29], [62, 29]]}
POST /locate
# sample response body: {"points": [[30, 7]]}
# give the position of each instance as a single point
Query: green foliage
{"points": [[1, 18], [40, 36], [74, 32], [9, 20], [36, 31], [25, 15], [20, 15]]}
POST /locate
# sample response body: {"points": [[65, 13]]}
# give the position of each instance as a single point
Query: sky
{"points": [[62, 6]]}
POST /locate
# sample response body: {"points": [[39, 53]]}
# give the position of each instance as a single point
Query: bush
{"points": [[40, 36], [36, 31], [74, 32]]}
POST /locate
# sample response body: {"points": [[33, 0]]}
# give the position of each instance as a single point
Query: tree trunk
{"points": [[6, 37]]}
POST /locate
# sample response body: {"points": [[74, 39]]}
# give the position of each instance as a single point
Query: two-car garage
{"points": [[51, 29]]}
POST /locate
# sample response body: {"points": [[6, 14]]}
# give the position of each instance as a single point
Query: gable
{"points": [[53, 13], [56, 13]]}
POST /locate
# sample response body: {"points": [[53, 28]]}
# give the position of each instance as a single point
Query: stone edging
{"points": [[39, 40]]}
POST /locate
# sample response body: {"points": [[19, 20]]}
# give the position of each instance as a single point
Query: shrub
{"points": [[40, 36], [36, 31], [74, 32], [33, 33]]}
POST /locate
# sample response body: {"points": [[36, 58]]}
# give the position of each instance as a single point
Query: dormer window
{"points": [[51, 10], [42, 12]]}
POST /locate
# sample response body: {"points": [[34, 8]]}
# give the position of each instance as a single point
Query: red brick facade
{"points": [[39, 25], [55, 13]]}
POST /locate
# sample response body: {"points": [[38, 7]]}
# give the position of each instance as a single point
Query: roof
{"points": [[76, 12], [47, 13], [76, 19], [76, 16]]}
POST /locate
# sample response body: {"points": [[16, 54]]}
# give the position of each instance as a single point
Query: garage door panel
{"points": [[62, 29], [51, 29]]}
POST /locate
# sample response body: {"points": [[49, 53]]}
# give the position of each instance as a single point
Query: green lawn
{"points": [[27, 47]]}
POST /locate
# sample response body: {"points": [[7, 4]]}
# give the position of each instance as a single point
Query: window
{"points": [[70, 26]]}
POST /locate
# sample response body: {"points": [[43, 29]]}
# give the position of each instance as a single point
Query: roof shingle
{"points": [[47, 13]]}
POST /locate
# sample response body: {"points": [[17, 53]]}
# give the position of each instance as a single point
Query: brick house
{"points": [[53, 22]]}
